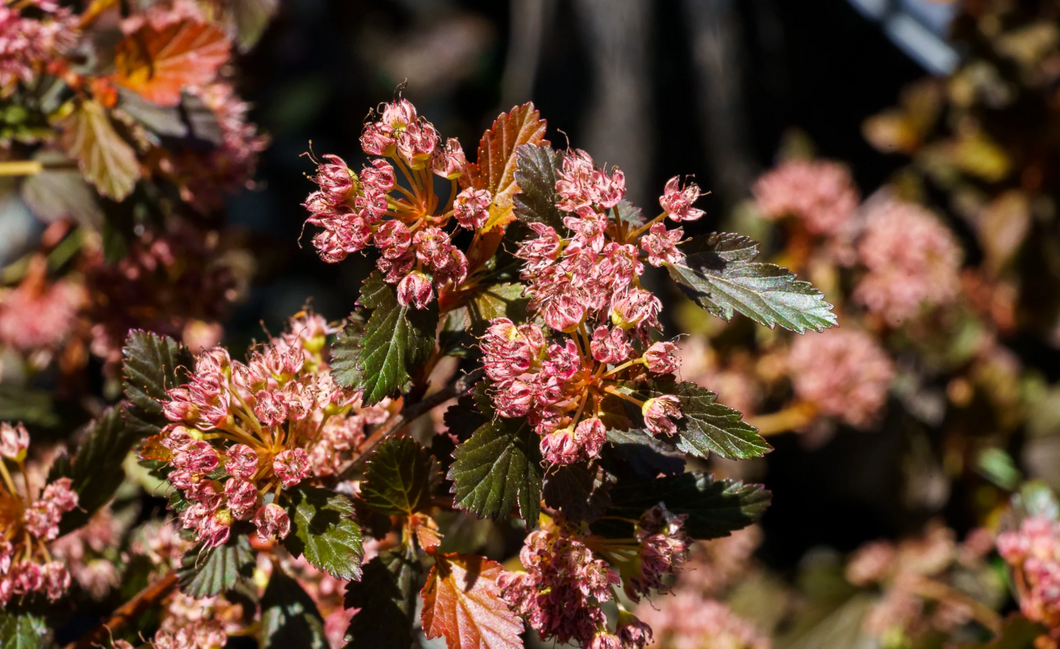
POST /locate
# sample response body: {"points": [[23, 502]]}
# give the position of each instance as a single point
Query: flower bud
{"points": [[471, 208], [415, 290], [272, 520], [291, 466], [658, 413], [14, 440], [661, 358]]}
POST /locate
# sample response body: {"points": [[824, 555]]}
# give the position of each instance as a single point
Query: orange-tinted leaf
{"points": [[461, 600], [105, 159], [151, 449], [426, 531], [157, 61], [495, 168]]}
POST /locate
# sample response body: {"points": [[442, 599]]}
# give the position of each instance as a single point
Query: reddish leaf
{"points": [[105, 159], [158, 60], [495, 168], [461, 600]]}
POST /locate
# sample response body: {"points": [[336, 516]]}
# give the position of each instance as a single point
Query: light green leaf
{"points": [[205, 572]]}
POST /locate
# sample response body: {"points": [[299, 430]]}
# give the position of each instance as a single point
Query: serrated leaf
{"points": [[399, 477], [105, 159], [386, 597], [498, 466], [1017, 632], [707, 426], [469, 413], [289, 617], [503, 300], [495, 167], [323, 529], [578, 491], [158, 61], [151, 364], [57, 193], [205, 572], [22, 631], [461, 601], [715, 508], [344, 352], [96, 471], [535, 173], [396, 340], [721, 275]]}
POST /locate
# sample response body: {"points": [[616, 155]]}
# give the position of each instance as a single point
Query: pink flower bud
{"points": [[416, 290], [215, 529], [562, 361], [291, 466], [242, 461], [590, 436], [418, 143], [393, 239], [633, 633], [564, 314], [26, 578], [399, 114], [242, 498], [56, 579], [449, 161], [395, 269], [14, 440], [179, 407], [270, 409], [635, 307], [559, 447], [677, 202], [198, 458], [658, 413], [604, 640], [471, 208], [334, 178], [610, 346], [661, 245], [60, 494], [541, 251], [662, 358], [378, 139], [7, 552], [432, 246], [380, 176], [207, 493], [272, 520]]}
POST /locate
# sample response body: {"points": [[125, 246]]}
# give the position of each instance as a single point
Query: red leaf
{"points": [[495, 167], [461, 600], [159, 59]]}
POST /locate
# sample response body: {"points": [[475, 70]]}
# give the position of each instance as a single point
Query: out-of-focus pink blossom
{"points": [[688, 620], [820, 194]]}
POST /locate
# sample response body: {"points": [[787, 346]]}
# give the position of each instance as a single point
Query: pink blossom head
{"points": [[335, 179], [678, 201], [610, 345], [242, 498], [662, 358], [379, 177], [659, 413], [635, 307], [56, 579], [471, 208], [541, 251], [14, 440], [633, 633], [820, 194], [449, 162], [661, 245], [242, 461], [842, 372], [415, 290], [215, 528], [291, 466], [393, 239], [270, 409], [590, 435], [417, 144], [272, 520]]}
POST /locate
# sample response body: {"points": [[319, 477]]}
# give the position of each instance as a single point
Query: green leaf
{"points": [[397, 339], [57, 192], [499, 465], [22, 631], [720, 274], [289, 617], [707, 426], [1017, 632], [151, 365], [344, 352], [1035, 499], [322, 528], [578, 491], [535, 172], [96, 471], [635, 454], [399, 477], [715, 508], [205, 572], [386, 597], [27, 406]]}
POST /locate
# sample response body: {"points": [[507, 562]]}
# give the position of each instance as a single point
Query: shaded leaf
{"points": [[461, 601], [399, 477], [578, 491], [22, 631], [495, 167], [205, 572], [96, 471], [157, 61], [344, 352], [535, 173], [386, 597], [498, 466], [1017, 632], [715, 508], [721, 275], [151, 364], [289, 617], [396, 340], [641, 455], [251, 17], [56, 193], [322, 528], [104, 158]]}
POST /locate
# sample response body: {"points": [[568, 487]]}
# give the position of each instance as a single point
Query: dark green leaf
{"points": [[386, 597], [205, 572], [152, 364], [322, 528], [96, 471], [22, 631], [289, 617], [535, 172], [579, 492], [399, 477], [344, 352], [636, 454], [397, 339], [499, 465], [1017, 632], [469, 413], [715, 508], [707, 426], [35, 407], [721, 275]]}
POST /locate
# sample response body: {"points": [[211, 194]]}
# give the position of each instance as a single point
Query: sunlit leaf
{"points": [[499, 466], [205, 572], [462, 602], [323, 529], [105, 159]]}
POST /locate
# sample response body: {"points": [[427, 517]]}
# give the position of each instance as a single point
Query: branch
{"points": [[411, 412], [130, 610]]}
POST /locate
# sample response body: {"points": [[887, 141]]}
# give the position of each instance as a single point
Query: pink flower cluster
{"points": [[28, 44], [240, 432], [200, 635], [820, 194], [843, 373], [406, 224], [664, 545], [1033, 551], [911, 260], [36, 315], [688, 620]]}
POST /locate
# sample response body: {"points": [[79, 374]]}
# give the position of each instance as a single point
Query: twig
{"points": [[128, 611]]}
